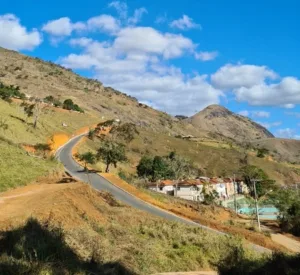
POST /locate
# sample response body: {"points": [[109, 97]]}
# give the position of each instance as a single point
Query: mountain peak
{"points": [[213, 111], [218, 119]]}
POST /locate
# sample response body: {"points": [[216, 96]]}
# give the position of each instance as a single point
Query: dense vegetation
{"points": [[287, 202], [9, 92], [168, 167]]}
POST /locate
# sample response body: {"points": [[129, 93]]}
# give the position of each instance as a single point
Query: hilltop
{"points": [[219, 120]]}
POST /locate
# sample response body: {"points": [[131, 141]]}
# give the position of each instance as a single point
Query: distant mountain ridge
{"points": [[218, 119]]}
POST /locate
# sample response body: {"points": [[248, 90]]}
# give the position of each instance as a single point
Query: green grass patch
{"points": [[17, 168]]}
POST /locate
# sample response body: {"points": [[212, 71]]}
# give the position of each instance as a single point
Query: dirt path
{"points": [[287, 242]]}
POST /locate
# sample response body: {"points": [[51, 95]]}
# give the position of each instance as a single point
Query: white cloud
{"points": [[121, 8], [62, 27], [160, 19], [206, 56], [269, 125], [151, 41], [14, 36], [82, 42], [104, 22], [244, 113], [137, 16], [255, 114], [286, 133], [137, 68], [236, 76], [184, 23], [286, 93], [262, 114]]}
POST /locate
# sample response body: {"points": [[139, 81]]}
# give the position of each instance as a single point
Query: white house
{"points": [[189, 190], [165, 187]]}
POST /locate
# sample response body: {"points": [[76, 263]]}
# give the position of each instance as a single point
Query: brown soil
{"points": [[61, 203]]}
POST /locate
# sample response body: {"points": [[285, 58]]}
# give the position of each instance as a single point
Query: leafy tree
{"points": [[111, 153], [87, 158], [263, 185], [7, 92], [145, 167], [68, 104], [261, 152], [33, 110], [125, 132], [91, 134], [209, 196], [28, 109], [168, 167], [288, 204], [49, 99], [160, 168]]}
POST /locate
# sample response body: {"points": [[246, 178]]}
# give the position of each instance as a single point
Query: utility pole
{"points": [[256, 204], [234, 185]]}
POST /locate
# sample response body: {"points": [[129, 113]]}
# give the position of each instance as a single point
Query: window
{"points": [[161, 188]]}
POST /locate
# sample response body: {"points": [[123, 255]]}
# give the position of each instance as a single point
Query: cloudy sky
{"points": [[177, 56]]}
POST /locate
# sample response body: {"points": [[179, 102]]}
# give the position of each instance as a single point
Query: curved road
{"points": [[64, 155]]}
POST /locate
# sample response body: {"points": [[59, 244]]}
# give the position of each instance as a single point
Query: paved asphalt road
{"points": [[64, 155]]}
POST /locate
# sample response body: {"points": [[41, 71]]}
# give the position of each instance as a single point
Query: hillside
{"points": [[219, 120], [98, 235], [157, 129], [38, 78], [281, 149]]}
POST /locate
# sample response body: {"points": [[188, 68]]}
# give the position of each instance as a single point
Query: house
{"points": [[229, 187], [219, 186], [164, 186], [189, 189]]}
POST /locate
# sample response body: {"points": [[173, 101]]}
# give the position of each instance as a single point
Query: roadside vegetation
{"points": [[18, 168]]}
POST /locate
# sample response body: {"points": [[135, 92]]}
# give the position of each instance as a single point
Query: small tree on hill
{"points": [[111, 153], [33, 110], [125, 132], [68, 104], [42, 147], [87, 158]]}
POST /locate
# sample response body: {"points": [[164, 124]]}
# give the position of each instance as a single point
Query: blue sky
{"points": [[178, 56]]}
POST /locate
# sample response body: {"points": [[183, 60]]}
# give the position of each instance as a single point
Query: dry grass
{"points": [[214, 217], [99, 229]]}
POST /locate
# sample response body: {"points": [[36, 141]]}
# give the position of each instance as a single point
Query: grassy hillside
{"points": [[213, 159], [100, 236], [51, 121], [17, 168], [38, 78]]}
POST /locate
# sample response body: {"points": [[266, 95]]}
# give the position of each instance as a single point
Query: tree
{"points": [[145, 167], [125, 132], [261, 152], [43, 147], [33, 110], [111, 153], [263, 185], [288, 204], [161, 169], [68, 104], [87, 158]]}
